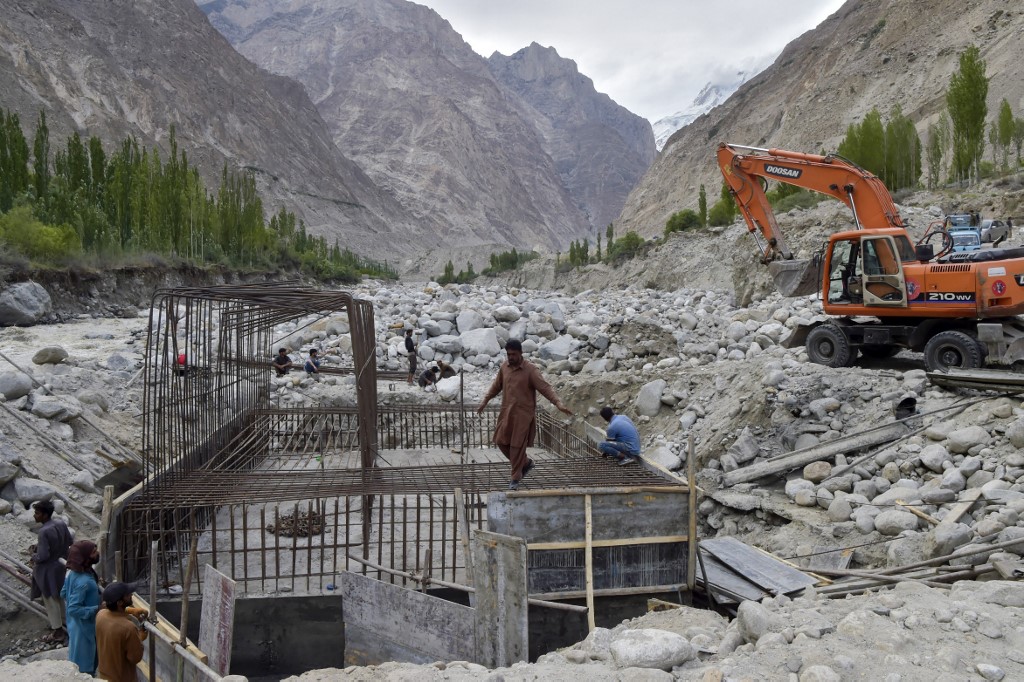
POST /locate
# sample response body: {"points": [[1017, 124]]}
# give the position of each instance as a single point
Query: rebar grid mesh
{"points": [[223, 463]]}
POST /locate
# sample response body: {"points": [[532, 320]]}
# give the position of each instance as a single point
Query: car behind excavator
{"points": [[883, 293]]}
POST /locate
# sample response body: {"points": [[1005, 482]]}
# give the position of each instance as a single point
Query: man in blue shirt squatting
{"points": [[623, 440]]}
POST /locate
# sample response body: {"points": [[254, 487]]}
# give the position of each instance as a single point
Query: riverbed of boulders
{"points": [[686, 365]]}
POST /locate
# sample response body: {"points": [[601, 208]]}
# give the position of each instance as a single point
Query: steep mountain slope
{"points": [[870, 53], [409, 100], [601, 149], [115, 69]]}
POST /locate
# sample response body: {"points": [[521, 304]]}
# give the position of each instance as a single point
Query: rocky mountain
{"points": [[709, 97], [870, 53], [117, 69], [600, 149], [532, 158]]}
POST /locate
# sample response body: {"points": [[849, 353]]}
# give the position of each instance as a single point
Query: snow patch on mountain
{"points": [[711, 95]]}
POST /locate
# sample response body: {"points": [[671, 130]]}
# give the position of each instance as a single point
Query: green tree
{"points": [[609, 237], [902, 151], [14, 176], [702, 206], [1005, 127], [682, 220], [864, 144], [965, 98], [938, 143], [993, 141], [41, 158], [626, 246], [42, 243], [1018, 136], [597, 254], [724, 210], [449, 273]]}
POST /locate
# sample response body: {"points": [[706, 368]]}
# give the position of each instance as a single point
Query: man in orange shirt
{"points": [[118, 637], [519, 382]]}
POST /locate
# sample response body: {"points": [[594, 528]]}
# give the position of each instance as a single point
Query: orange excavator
{"points": [[881, 291]]}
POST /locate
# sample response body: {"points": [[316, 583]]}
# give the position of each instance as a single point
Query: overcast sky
{"points": [[650, 56]]}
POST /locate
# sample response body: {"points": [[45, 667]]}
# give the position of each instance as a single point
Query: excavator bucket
{"points": [[795, 277]]}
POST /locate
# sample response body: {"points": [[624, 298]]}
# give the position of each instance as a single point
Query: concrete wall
{"points": [[278, 635], [554, 526]]}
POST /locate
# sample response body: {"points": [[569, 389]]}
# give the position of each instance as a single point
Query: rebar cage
{"points": [[284, 498]]}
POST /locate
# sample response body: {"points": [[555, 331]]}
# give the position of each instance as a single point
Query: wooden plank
{"points": [[799, 458], [918, 513], [589, 551], [691, 501], [613, 592], [721, 576], [967, 500], [620, 542], [759, 568]]}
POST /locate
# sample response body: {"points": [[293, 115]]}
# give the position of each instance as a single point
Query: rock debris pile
{"points": [[686, 365]]}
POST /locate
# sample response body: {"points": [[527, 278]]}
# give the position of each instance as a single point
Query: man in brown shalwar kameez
{"points": [[519, 382]]}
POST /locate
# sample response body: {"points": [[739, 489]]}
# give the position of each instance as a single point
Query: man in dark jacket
{"points": [[47, 571], [410, 349]]}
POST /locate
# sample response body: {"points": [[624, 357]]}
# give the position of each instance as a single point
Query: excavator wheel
{"points": [[827, 345], [952, 350]]}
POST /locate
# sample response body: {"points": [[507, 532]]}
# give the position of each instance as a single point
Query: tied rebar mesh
{"points": [[223, 463]]}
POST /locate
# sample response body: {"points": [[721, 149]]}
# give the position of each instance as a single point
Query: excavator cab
{"points": [[865, 269]]}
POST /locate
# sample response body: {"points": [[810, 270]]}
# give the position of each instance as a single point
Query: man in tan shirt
{"points": [[519, 382], [118, 637]]}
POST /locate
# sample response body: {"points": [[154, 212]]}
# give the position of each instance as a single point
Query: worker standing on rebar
{"points": [[519, 382]]}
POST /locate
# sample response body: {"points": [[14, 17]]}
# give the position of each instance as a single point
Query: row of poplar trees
{"points": [[55, 205], [955, 143]]}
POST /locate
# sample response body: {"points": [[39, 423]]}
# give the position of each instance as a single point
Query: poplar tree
{"points": [[1005, 128], [41, 158], [965, 98], [702, 207]]}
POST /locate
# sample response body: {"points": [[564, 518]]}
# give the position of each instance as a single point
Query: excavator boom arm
{"points": [[744, 167]]}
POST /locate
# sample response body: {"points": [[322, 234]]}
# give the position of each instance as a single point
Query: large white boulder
{"points": [[24, 303], [14, 385], [559, 349], [482, 341], [468, 320], [648, 399], [650, 648]]}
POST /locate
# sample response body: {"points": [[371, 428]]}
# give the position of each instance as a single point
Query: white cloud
{"points": [[652, 57]]}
